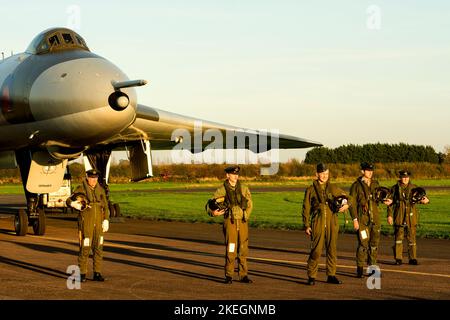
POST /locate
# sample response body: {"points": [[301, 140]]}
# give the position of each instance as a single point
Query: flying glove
{"points": [[105, 225]]}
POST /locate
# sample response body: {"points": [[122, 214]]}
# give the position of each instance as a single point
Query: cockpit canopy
{"points": [[56, 39]]}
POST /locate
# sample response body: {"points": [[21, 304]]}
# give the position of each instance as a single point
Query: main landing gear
{"points": [[30, 217]]}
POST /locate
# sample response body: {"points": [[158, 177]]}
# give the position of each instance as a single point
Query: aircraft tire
{"points": [[112, 210], [117, 209], [21, 223], [39, 223]]}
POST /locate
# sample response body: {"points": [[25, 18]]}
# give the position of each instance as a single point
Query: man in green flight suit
{"points": [[403, 214], [238, 201], [93, 221], [321, 223], [366, 217]]}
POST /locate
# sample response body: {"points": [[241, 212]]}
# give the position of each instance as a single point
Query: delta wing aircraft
{"points": [[60, 101]]}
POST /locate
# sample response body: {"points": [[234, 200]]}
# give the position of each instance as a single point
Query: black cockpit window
{"points": [[53, 40], [43, 46], [56, 39], [81, 41], [67, 38]]}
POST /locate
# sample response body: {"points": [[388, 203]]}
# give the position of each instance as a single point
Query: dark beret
{"points": [[321, 167], [367, 166], [233, 169], [92, 173], [404, 173]]}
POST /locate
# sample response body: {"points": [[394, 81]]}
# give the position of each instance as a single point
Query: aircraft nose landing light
{"points": [[118, 100]]}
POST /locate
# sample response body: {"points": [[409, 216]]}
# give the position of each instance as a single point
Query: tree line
{"points": [[375, 153]]}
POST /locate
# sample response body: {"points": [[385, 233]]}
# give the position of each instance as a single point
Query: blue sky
{"points": [[312, 69]]}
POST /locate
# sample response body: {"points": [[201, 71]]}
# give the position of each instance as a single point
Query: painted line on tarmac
{"points": [[105, 244], [123, 246], [352, 267]]}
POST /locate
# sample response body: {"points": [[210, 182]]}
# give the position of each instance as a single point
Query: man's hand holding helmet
{"points": [[383, 194], [344, 207], [76, 205], [78, 201], [216, 207], [218, 212], [339, 204], [419, 195]]}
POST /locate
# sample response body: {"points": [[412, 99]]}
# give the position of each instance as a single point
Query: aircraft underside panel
{"points": [[46, 173]]}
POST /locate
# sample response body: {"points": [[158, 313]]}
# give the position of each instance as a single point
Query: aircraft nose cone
{"points": [[86, 86], [83, 98]]}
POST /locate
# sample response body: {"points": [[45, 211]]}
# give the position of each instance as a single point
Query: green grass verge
{"points": [[280, 210], [272, 209]]}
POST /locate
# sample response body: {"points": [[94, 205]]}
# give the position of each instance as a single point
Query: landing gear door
{"points": [[88, 166], [46, 173], [141, 161]]}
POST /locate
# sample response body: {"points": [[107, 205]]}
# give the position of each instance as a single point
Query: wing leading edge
{"points": [[166, 130]]}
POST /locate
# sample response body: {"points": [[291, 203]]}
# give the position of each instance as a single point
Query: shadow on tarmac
{"points": [[134, 253], [34, 267]]}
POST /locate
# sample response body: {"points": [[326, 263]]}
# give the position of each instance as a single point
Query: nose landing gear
{"points": [[32, 216]]}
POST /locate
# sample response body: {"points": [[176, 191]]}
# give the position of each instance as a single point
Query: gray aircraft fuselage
{"points": [[57, 95]]}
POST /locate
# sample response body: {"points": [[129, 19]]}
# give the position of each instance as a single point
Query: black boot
{"points": [[98, 277], [413, 262], [311, 281], [359, 272], [333, 280], [83, 277], [246, 279], [398, 261], [228, 280]]}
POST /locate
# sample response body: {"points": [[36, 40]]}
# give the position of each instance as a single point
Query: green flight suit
{"points": [[324, 224], [235, 226], [90, 229], [406, 217], [365, 209]]}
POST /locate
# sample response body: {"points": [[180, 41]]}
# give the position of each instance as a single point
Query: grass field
{"points": [[280, 210], [272, 209]]}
